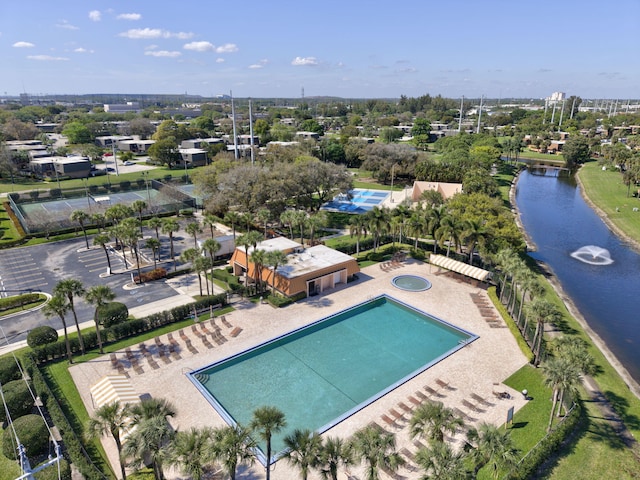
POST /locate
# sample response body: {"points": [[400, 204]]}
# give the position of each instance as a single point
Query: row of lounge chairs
{"points": [[167, 352]]}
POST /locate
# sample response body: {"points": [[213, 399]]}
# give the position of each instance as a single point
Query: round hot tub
{"points": [[411, 283]]}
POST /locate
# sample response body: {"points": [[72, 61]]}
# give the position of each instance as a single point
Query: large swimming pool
{"points": [[323, 373]]}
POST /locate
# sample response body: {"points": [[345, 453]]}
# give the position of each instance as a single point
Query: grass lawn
{"points": [[542, 157], [606, 189]]}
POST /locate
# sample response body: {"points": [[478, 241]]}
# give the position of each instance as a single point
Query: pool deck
{"points": [[473, 373]]}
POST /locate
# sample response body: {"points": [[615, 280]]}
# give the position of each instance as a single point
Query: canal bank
{"points": [[562, 294]]}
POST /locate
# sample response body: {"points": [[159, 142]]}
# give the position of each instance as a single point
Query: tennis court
{"points": [[361, 201]]}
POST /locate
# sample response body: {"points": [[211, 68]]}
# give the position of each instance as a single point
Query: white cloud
{"points": [[163, 53], [219, 60], [95, 15], [227, 48], [260, 64], [146, 33], [82, 50], [199, 46], [151, 47], [47, 58], [66, 25], [23, 45], [129, 16], [304, 61]]}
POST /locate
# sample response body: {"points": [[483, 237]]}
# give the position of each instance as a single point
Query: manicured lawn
{"points": [[606, 189]]}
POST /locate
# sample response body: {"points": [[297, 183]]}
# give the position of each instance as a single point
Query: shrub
{"points": [[167, 178], [9, 369], [15, 196], [186, 212], [52, 472], [33, 434], [55, 193], [41, 336], [112, 313], [140, 182], [125, 184], [34, 194], [151, 275], [18, 300], [18, 399], [93, 189]]}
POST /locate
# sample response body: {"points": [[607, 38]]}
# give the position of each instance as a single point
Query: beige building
{"points": [[307, 270], [447, 190]]}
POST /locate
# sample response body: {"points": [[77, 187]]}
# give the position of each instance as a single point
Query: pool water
{"points": [[321, 374], [361, 201], [411, 283]]}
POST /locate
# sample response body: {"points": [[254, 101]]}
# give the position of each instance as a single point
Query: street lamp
{"points": [[145, 175], [392, 169], [86, 191]]}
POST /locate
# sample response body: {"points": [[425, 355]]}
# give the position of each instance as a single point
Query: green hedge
{"points": [[513, 328], [9, 369], [42, 336], [18, 300], [33, 434], [51, 473], [17, 398], [112, 313]]}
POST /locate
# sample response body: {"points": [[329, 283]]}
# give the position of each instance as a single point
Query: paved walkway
{"points": [[473, 373]]}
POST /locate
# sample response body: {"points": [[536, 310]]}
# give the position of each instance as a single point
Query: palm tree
{"points": [[288, 218], [169, 227], [211, 220], [577, 351], [542, 312], [233, 446], [193, 229], [263, 215], [258, 258], [191, 452], [267, 421], [71, 288], [154, 245], [561, 374], [139, 206], [506, 260], [377, 448], [129, 236], [151, 439], [314, 222], [203, 264], [300, 218], [475, 232], [103, 239], [273, 259], [304, 450], [233, 218], [378, 224], [416, 226], [151, 407], [211, 246], [99, 220], [358, 228], [491, 446], [448, 230], [335, 452], [99, 295], [435, 216], [190, 255], [432, 420], [112, 419], [81, 217], [441, 462], [57, 305], [155, 223]]}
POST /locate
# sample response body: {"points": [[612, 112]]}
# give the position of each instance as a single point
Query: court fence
{"points": [[47, 211]]}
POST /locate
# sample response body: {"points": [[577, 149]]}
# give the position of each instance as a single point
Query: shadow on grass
{"points": [[519, 425], [621, 407]]}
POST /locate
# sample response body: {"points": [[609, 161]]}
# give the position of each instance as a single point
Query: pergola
{"points": [[460, 267]]}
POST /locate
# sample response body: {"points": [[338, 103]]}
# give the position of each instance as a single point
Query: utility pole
{"points": [[479, 114], [460, 119], [253, 157], [233, 119], [561, 114]]}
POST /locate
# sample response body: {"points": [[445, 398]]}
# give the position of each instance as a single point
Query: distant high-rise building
{"points": [[557, 97], [122, 108]]}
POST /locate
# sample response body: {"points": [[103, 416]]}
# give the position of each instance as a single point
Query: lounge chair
{"points": [[389, 421], [235, 332], [396, 414], [405, 407], [470, 406], [443, 384], [481, 400]]}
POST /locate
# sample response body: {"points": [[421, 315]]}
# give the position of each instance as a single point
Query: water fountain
{"points": [[593, 255]]}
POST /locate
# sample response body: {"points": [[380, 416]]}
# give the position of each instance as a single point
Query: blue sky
{"points": [[350, 49]]}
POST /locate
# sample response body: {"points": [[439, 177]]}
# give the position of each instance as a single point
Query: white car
{"points": [[128, 163]]}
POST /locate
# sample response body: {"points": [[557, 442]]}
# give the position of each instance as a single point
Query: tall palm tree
{"points": [[193, 229], [377, 449], [288, 218], [232, 446], [300, 219], [99, 220], [449, 231], [493, 447], [273, 259], [211, 247], [151, 407], [304, 450], [203, 264], [103, 239], [417, 226], [506, 260], [190, 255], [541, 311], [233, 218], [210, 220], [475, 232], [266, 421], [154, 245], [258, 258], [81, 217], [315, 221], [151, 439], [335, 452], [378, 224], [562, 375], [71, 288], [358, 229], [169, 227], [441, 462], [435, 216], [577, 351], [432, 420], [156, 224], [191, 452], [129, 236], [58, 306], [99, 295], [139, 206], [263, 215], [112, 419]]}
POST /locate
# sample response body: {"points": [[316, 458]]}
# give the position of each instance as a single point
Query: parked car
{"points": [[128, 163]]}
